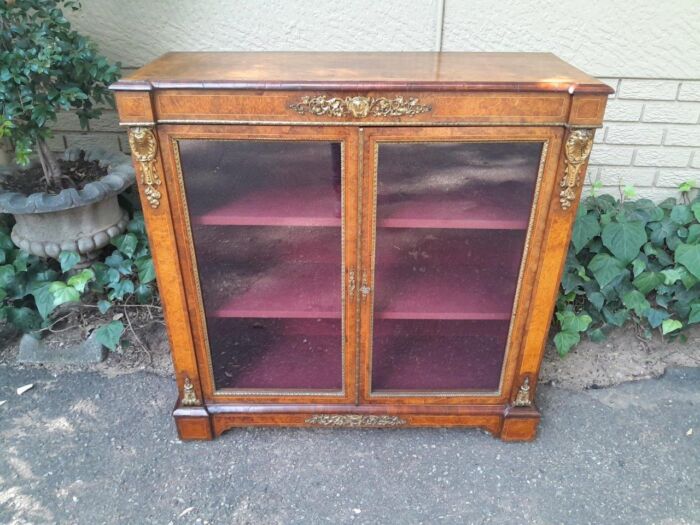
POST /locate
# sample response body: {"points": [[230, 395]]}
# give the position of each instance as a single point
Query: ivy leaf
{"points": [[586, 228], [117, 262], [62, 293], [122, 288], [694, 316], [110, 334], [648, 281], [143, 293], [126, 243], [596, 335], [624, 239], [44, 300], [670, 325], [68, 260], [146, 271], [636, 301], [137, 224], [597, 299], [671, 276], [656, 316], [6, 241], [103, 305], [80, 280], [661, 230], [687, 278], [693, 233], [617, 317], [565, 341], [7, 275], [20, 262], [605, 268], [695, 208], [689, 256], [570, 322], [638, 266], [681, 214], [24, 318]]}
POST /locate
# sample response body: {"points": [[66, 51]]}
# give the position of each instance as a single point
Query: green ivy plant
{"points": [[630, 261], [46, 67], [32, 288]]}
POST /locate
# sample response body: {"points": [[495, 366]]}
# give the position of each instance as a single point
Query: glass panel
{"points": [[266, 226], [451, 225]]}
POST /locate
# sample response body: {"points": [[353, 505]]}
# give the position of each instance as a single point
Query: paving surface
{"points": [[85, 448]]}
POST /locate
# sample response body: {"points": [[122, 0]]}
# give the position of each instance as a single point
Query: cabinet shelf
{"points": [[446, 274], [285, 290], [276, 353], [437, 355], [315, 206], [482, 211], [289, 206]]}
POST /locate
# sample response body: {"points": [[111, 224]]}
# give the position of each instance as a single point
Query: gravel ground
{"points": [[82, 447]]}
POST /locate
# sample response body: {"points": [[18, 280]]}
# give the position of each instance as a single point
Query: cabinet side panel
{"points": [[571, 170], [134, 108], [155, 201]]}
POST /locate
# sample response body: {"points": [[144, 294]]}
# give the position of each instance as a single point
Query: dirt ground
{"points": [[620, 358]]}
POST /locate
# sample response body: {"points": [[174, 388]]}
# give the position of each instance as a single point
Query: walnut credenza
{"points": [[364, 240]]}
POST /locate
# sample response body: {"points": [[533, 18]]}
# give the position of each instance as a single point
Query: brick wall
{"points": [[651, 138]]}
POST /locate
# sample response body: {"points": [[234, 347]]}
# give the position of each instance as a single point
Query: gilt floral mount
{"points": [[359, 106]]}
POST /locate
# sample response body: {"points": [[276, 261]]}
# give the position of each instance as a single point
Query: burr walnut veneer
{"points": [[370, 239]]}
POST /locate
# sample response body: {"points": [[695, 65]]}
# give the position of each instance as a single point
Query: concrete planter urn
{"points": [[82, 220]]}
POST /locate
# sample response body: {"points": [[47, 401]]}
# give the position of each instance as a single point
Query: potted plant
{"points": [[67, 204]]}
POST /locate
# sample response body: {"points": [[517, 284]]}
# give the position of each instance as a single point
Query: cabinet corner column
{"points": [[147, 156]]}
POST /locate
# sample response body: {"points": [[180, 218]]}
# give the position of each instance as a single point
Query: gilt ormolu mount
{"points": [[362, 240]]}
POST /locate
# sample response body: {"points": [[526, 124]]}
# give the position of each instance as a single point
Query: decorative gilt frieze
{"points": [[523, 398], [144, 146], [578, 147], [359, 106], [189, 398], [355, 420]]}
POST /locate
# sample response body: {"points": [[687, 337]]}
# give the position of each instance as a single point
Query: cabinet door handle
{"points": [[351, 283], [365, 289]]}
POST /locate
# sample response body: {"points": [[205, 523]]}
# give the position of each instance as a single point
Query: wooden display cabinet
{"points": [[370, 240]]}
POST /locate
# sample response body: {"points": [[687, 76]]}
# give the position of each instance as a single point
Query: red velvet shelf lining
{"points": [[437, 355], [463, 280], [276, 353], [288, 206], [315, 206]]}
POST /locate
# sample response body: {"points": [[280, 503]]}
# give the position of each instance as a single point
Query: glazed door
{"points": [[449, 216], [269, 214]]}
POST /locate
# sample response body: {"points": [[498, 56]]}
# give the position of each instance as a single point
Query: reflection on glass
{"points": [[266, 225], [451, 226]]}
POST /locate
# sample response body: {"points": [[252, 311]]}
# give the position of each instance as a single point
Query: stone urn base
{"points": [[83, 230], [81, 221]]}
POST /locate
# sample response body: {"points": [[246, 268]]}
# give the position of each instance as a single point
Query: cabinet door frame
{"points": [[544, 199], [169, 135]]}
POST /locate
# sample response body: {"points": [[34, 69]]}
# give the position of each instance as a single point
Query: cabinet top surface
{"points": [[362, 71]]}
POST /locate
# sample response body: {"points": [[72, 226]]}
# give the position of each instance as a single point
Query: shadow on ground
{"points": [[81, 447]]}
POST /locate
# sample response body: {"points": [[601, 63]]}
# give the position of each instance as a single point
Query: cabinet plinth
{"points": [[355, 240]]}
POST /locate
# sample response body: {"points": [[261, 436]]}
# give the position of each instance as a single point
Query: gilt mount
{"points": [[355, 420], [189, 398], [523, 398], [359, 106], [144, 146], [577, 149]]}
